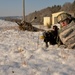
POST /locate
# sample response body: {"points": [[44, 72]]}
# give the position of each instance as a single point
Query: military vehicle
{"points": [[23, 25]]}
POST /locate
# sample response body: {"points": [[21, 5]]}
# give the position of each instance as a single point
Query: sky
{"points": [[14, 7]]}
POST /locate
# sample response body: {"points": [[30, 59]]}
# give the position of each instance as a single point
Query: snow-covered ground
{"points": [[23, 53]]}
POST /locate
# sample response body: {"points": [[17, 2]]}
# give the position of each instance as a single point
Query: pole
{"points": [[23, 10]]}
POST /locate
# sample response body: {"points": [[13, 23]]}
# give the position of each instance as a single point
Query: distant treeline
{"points": [[68, 7]]}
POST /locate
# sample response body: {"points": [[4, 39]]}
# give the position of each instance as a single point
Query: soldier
{"points": [[67, 31]]}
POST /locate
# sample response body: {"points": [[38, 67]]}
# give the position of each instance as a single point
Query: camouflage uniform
{"points": [[67, 33]]}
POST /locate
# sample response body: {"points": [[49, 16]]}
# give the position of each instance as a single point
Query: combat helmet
{"points": [[63, 16]]}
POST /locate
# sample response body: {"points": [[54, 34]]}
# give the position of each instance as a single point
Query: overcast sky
{"points": [[14, 7]]}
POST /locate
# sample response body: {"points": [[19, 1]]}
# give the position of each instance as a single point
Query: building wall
{"points": [[47, 21], [54, 15], [53, 20]]}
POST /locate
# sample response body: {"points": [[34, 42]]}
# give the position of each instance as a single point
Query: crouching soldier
{"points": [[51, 36], [67, 31]]}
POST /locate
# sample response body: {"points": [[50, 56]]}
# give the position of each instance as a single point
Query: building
{"points": [[48, 21], [51, 20], [54, 17]]}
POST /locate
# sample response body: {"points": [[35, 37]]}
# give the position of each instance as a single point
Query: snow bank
{"points": [[23, 53]]}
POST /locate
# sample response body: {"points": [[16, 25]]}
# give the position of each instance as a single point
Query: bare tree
{"points": [[66, 7]]}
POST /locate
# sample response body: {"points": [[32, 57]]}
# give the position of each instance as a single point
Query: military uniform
{"points": [[67, 33]]}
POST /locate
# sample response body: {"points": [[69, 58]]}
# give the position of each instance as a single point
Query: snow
{"points": [[24, 53]]}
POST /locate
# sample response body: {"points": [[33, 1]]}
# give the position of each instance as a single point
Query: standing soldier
{"points": [[67, 31]]}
